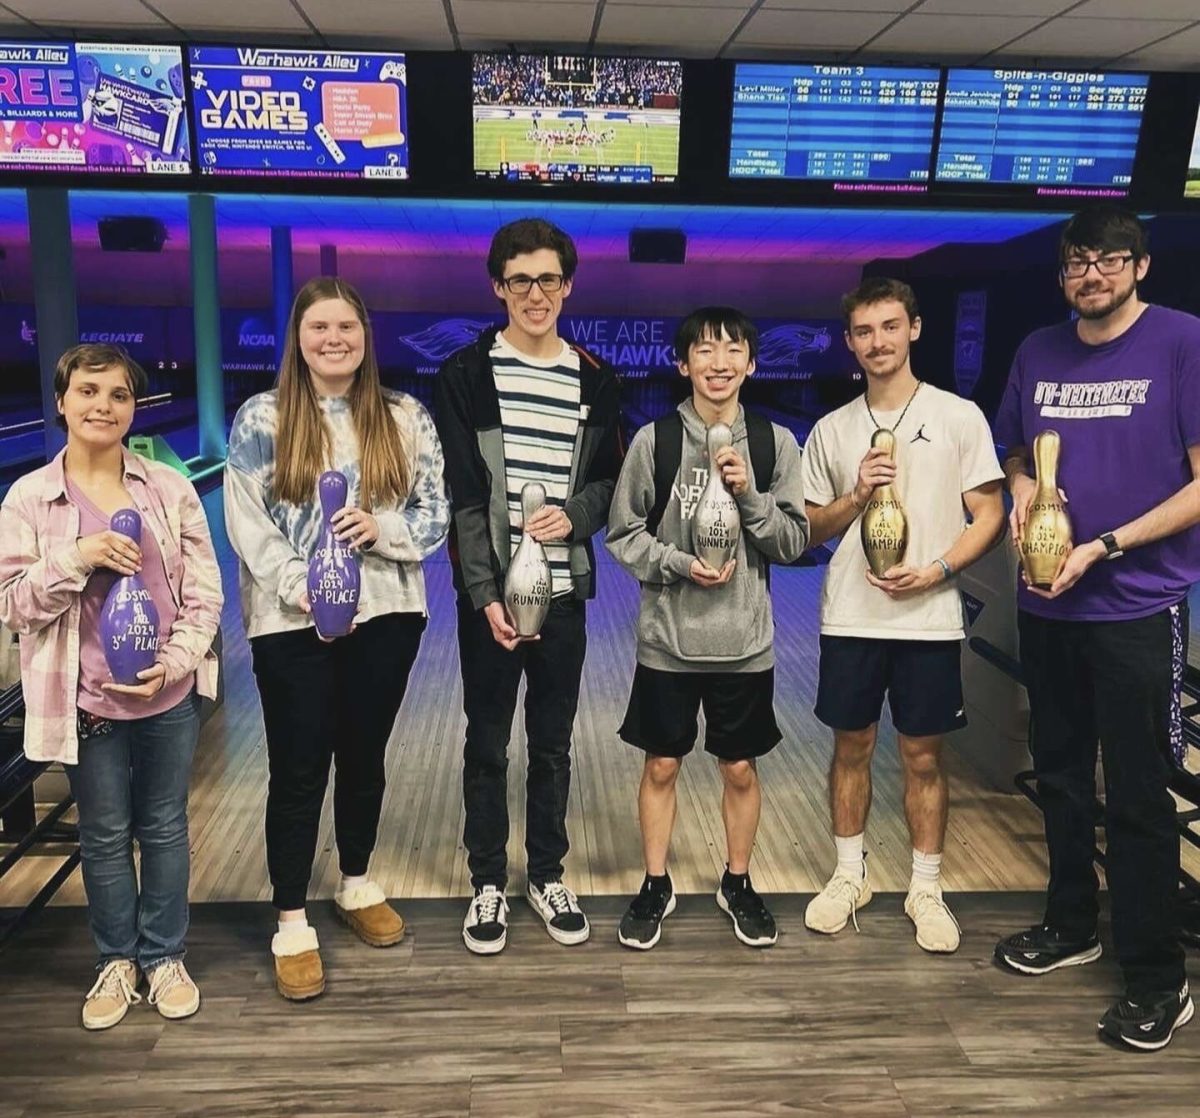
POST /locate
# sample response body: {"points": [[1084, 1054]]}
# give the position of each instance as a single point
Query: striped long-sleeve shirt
{"points": [[539, 416]]}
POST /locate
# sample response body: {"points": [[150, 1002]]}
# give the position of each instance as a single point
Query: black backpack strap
{"points": [[760, 436], [668, 453]]}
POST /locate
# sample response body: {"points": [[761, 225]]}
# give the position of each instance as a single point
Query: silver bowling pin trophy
{"points": [[527, 583], [716, 524]]}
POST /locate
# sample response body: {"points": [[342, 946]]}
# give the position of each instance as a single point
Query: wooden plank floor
{"points": [[857, 1024], [994, 841]]}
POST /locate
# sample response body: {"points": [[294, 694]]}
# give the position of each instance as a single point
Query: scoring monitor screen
{"points": [[1044, 127], [870, 123], [566, 118], [1192, 186]]}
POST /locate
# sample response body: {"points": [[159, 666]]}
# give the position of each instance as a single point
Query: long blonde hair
{"points": [[302, 443]]}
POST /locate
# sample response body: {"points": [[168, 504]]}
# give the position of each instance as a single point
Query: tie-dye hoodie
{"points": [[275, 540]]}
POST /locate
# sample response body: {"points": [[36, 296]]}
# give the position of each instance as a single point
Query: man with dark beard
{"points": [[1103, 649]]}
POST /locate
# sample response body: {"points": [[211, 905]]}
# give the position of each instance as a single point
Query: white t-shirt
{"points": [[943, 449]]}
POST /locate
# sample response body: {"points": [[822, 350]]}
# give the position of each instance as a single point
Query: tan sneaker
{"points": [[837, 904], [937, 930], [299, 974], [365, 910], [109, 999], [172, 991]]}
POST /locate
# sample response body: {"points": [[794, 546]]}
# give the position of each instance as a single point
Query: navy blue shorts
{"points": [[922, 681], [739, 713]]}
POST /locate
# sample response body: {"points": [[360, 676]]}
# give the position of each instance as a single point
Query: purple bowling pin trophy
{"points": [[129, 620], [334, 580]]}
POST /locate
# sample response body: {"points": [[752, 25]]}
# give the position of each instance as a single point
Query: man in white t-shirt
{"points": [[898, 635]]}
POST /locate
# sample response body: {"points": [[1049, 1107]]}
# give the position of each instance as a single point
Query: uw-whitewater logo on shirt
{"points": [[1091, 400]]}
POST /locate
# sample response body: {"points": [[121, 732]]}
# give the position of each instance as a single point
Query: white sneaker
{"points": [[172, 991], [560, 912], [485, 930], [937, 930], [114, 992], [837, 904]]}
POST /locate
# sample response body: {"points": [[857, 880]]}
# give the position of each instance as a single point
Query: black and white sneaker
{"points": [[1148, 1027], [1041, 949], [560, 912], [485, 930], [641, 926], [752, 923]]}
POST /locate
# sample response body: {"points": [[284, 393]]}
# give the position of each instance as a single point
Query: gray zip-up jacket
{"points": [[682, 626]]}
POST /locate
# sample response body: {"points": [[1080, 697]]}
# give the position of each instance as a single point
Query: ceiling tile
{"points": [[777, 27], [85, 13], [933, 35], [1041, 8], [631, 23], [562, 21], [1093, 37], [415, 23], [1144, 9], [824, 6], [232, 15]]}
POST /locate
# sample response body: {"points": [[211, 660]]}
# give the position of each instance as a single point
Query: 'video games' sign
{"points": [[300, 113]]}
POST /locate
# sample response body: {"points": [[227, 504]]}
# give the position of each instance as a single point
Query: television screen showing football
{"points": [[571, 118]]}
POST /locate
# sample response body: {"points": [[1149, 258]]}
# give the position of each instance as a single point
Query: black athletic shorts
{"points": [[921, 679], [739, 713]]}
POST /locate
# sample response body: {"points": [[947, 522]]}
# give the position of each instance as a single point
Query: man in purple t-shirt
{"points": [[1103, 649]]}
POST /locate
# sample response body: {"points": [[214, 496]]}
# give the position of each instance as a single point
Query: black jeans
{"points": [[321, 702], [1118, 682], [491, 676]]}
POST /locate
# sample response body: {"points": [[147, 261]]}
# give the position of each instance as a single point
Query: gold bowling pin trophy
{"points": [[883, 525], [1046, 537]]}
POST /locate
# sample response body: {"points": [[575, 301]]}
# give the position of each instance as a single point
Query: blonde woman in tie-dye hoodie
{"points": [[330, 700]]}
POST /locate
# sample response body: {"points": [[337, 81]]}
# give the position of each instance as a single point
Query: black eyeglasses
{"points": [[1110, 265], [521, 284]]}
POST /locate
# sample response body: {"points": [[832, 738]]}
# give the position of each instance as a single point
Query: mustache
{"points": [[881, 353]]}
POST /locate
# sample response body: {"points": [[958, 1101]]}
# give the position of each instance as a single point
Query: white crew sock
{"points": [[349, 883], [925, 870], [850, 856], [295, 924]]}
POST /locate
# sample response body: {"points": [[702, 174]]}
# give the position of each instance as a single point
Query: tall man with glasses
{"points": [[521, 405], [1103, 650]]}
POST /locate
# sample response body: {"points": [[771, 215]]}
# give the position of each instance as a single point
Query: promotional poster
{"points": [[300, 113], [93, 107]]}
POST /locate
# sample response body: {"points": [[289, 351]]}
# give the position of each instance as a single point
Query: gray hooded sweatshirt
{"points": [[682, 626]]}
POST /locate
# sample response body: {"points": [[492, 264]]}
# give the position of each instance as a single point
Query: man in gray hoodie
{"points": [[705, 636]]}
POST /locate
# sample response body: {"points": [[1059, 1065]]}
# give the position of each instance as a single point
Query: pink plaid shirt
{"points": [[42, 573]]}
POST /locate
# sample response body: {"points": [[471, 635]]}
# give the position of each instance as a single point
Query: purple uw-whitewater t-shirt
{"points": [[1127, 412]]}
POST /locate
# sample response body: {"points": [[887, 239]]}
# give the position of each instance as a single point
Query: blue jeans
{"points": [[131, 784]]}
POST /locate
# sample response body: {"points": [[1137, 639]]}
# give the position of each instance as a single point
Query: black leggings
{"points": [[323, 701]]}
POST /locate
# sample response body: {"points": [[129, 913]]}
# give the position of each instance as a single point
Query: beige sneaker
{"points": [[172, 991], [937, 930], [838, 903], [109, 999]]}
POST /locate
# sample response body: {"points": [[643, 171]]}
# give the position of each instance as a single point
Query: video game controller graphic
{"points": [[393, 69]]}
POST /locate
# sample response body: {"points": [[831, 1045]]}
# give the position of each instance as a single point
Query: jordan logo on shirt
{"points": [[920, 436]]}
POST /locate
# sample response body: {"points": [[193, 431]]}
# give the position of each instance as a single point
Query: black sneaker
{"points": [[485, 930], [641, 925], [560, 912], [1041, 949], [752, 923], [1147, 1027]]}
